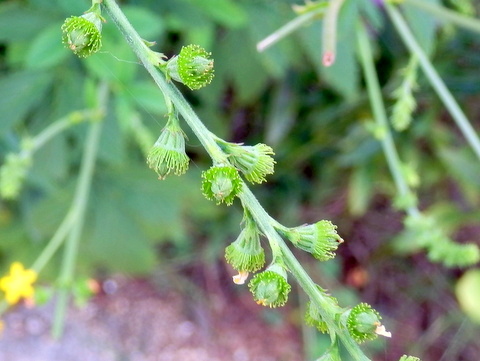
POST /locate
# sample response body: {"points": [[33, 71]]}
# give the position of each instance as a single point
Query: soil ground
{"points": [[135, 322]]}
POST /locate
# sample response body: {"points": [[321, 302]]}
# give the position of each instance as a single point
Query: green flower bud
{"points": [[409, 358], [221, 184], [168, 153], [319, 239], [363, 323], [255, 162], [13, 173], [246, 253], [270, 287], [82, 34], [192, 67]]}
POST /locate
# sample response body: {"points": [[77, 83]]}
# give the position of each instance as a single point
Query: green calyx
{"points": [[168, 153], [270, 287], [320, 239], [221, 184], [82, 34], [363, 323], [314, 319], [313, 316], [192, 67], [246, 253], [255, 162]]}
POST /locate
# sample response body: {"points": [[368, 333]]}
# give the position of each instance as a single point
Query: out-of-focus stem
{"points": [[329, 32]]}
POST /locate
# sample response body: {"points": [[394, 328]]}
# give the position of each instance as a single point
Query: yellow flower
{"points": [[18, 284]]}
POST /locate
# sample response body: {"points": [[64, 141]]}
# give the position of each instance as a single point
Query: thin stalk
{"points": [[380, 115], [56, 241], [329, 32], [289, 28], [248, 199], [61, 124], [437, 83], [445, 14], [79, 205]]}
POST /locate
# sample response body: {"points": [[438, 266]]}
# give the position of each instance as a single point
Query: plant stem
{"points": [[289, 28], [248, 199], [380, 115], [55, 242], [329, 32], [144, 54], [263, 220], [77, 211], [61, 124], [447, 14], [435, 80]]}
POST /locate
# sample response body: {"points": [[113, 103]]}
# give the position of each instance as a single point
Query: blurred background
{"points": [[156, 247]]}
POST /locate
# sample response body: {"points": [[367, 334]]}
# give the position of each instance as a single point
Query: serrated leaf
{"points": [[46, 49]]}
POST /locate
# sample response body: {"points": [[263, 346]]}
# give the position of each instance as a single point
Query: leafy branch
{"points": [[261, 217]]}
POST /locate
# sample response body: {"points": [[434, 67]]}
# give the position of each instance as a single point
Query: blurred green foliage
{"points": [[317, 119]]}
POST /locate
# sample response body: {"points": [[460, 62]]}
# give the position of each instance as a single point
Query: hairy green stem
{"points": [[248, 199], [446, 14], [380, 115], [78, 209], [263, 220], [145, 55], [435, 80]]}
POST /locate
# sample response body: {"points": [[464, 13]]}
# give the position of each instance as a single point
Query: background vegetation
{"points": [[317, 119]]}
